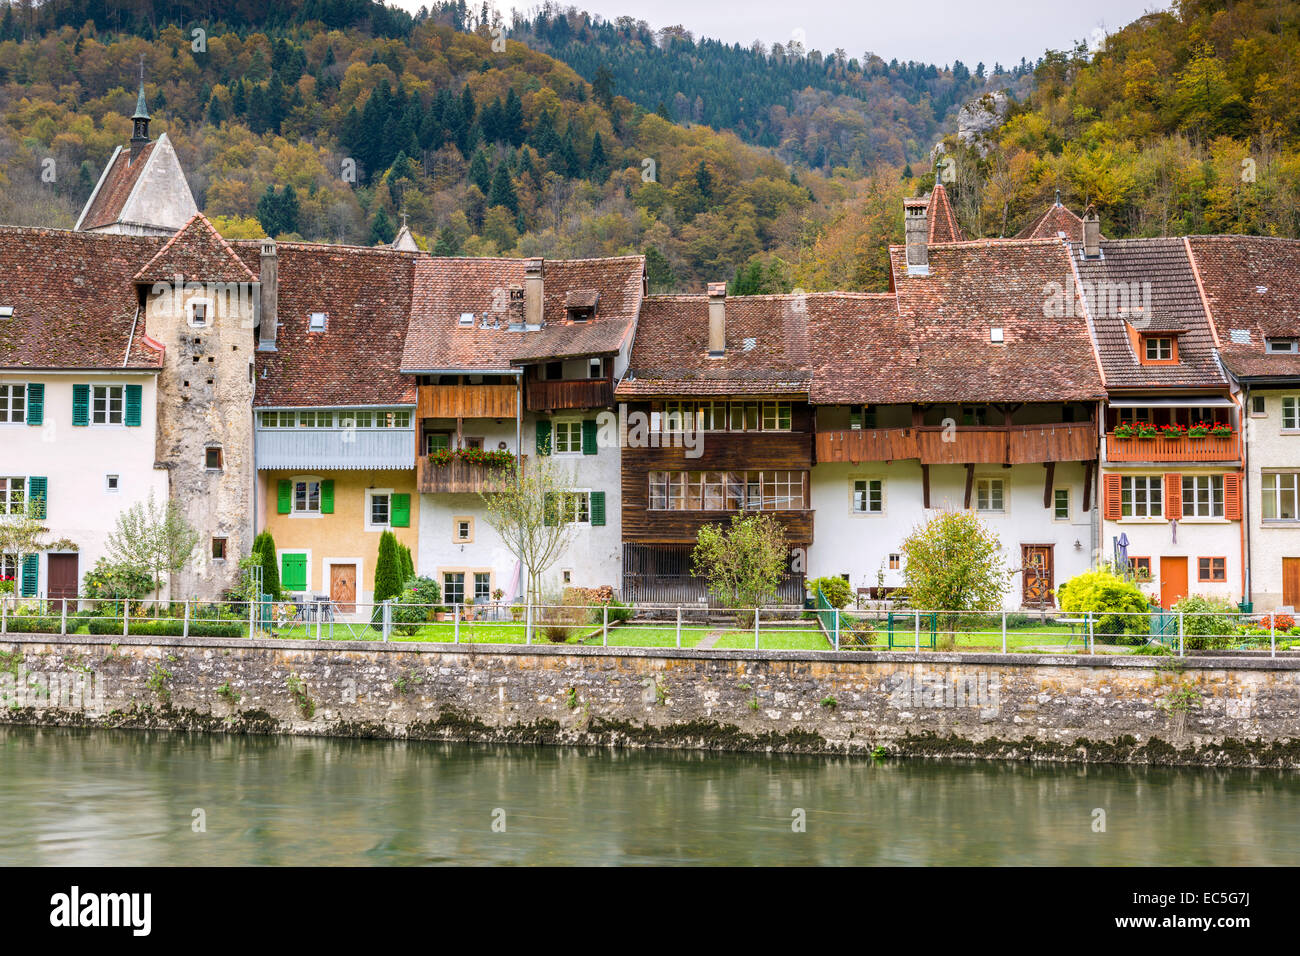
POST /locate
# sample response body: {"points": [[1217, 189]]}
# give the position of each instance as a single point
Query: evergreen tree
{"points": [[388, 569], [597, 166], [446, 244], [479, 173], [264, 547], [659, 272], [381, 229], [502, 192], [512, 120]]}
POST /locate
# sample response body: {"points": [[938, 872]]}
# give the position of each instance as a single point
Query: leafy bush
{"points": [[954, 563], [44, 623], [116, 581], [264, 548], [620, 613], [1153, 650], [148, 628], [836, 591], [1121, 605], [1284, 622], [1207, 622], [417, 604]]}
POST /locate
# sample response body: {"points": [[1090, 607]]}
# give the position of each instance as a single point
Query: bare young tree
{"points": [[531, 508], [155, 537]]}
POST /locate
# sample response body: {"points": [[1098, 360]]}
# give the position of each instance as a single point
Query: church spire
{"points": [[140, 133]]}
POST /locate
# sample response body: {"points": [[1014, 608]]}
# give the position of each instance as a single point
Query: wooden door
{"points": [[63, 576], [1291, 582], [1173, 581], [1038, 575], [343, 587]]}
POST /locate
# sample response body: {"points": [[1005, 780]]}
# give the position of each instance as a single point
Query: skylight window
{"points": [[995, 334], [6, 311], [1280, 345], [316, 322], [467, 320]]}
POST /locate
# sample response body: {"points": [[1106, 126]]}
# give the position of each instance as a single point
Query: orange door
{"points": [[1037, 589], [343, 587], [1291, 581], [1173, 581]]}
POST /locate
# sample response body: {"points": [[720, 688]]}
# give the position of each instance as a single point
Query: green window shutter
{"points": [[133, 405], [327, 496], [36, 404], [293, 572], [284, 496], [598, 509], [38, 489], [81, 404], [589, 436], [549, 516], [31, 568], [543, 438], [399, 511]]}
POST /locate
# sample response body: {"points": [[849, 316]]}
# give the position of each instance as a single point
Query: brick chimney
{"points": [[268, 311], [1091, 234], [516, 307], [916, 233], [533, 269], [717, 319]]}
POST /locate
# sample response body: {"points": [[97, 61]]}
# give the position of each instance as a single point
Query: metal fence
{"points": [[822, 627]]}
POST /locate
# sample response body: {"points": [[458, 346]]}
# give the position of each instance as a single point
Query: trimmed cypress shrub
{"points": [[388, 568]]}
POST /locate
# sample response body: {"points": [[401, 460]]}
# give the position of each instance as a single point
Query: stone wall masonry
{"points": [[1242, 711]]}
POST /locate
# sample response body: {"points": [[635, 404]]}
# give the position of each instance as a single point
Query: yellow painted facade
{"points": [[345, 537]]}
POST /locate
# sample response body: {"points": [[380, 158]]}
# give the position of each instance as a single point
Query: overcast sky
{"points": [[930, 31]]}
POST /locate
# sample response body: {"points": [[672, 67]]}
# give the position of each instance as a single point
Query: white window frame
{"points": [[8, 407], [311, 321], [108, 406], [455, 529], [1069, 505], [108, 484], [581, 499], [1263, 402], [371, 494], [569, 425], [868, 511], [1210, 496], [984, 484], [6, 492], [1151, 481], [1276, 495], [1294, 426], [1156, 340], [208, 312], [308, 480]]}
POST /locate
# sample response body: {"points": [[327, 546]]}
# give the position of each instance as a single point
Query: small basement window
{"points": [[218, 549], [316, 322], [112, 483]]}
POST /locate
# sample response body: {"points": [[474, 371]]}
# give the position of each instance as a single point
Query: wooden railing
{"points": [[468, 401], [576, 393], [1173, 449], [963, 444], [455, 477]]}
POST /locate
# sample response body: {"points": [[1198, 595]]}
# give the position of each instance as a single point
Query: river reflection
{"points": [[105, 797]]}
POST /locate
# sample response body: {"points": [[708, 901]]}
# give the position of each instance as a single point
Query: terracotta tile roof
{"points": [[198, 253], [973, 287], [366, 294], [1053, 221], [74, 300], [861, 349], [116, 187], [1127, 266], [942, 220], [766, 347], [1253, 286], [445, 288]]}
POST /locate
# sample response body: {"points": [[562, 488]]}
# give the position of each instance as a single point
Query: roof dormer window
{"points": [[317, 321], [466, 320], [1281, 346], [1159, 350]]}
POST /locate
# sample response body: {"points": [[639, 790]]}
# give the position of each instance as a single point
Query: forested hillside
{"points": [[1187, 122]]}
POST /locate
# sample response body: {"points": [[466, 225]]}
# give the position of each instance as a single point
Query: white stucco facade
{"points": [[1274, 541], [93, 471], [860, 544]]}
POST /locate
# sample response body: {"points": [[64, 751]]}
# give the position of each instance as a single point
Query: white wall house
{"points": [[1273, 496], [86, 441]]}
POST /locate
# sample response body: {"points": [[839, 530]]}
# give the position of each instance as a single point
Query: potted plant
{"points": [[467, 609], [1147, 430], [1221, 430], [1199, 430], [516, 612], [1172, 431], [1125, 430], [440, 613]]}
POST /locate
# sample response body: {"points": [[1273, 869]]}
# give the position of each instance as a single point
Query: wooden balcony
{"points": [[468, 401], [965, 444], [575, 393], [1173, 449], [456, 477]]}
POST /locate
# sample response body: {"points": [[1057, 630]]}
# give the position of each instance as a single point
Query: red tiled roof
{"points": [[74, 300], [1051, 222], [942, 220], [861, 349], [973, 287], [444, 288], [766, 347], [116, 187], [366, 293], [1126, 267], [1252, 284], [197, 252]]}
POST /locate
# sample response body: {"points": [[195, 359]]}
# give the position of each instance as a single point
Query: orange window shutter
{"points": [[1111, 486], [1232, 497], [1173, 497]]}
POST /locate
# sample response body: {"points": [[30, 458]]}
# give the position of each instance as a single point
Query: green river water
{"points": [[120, 798]]}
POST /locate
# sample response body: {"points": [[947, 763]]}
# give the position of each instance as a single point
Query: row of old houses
{"points": [[1091, 399]]}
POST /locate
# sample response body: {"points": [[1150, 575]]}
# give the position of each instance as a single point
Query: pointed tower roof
{"points": [[141, 107], [1051, 222], [942, 220], [197, 252]]}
